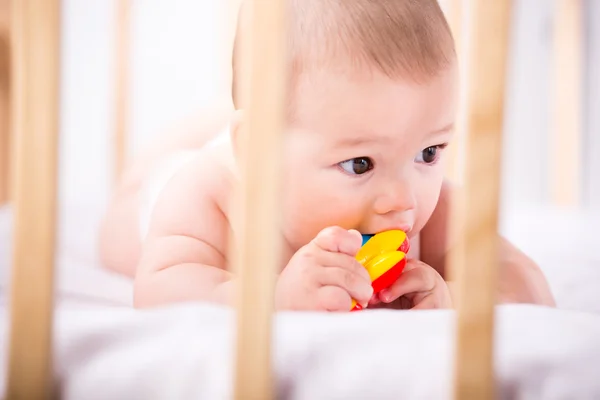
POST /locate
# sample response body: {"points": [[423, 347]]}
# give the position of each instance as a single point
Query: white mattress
{"points": [[185, 352], [106, 350]]}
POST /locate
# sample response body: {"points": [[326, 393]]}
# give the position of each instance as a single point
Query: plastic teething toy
{"points": [[384, 257]]}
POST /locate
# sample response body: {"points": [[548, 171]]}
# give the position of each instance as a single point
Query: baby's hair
{"points": [[407, 39]]}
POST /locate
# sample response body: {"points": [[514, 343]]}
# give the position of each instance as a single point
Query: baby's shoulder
{"points": [[210, 171]]}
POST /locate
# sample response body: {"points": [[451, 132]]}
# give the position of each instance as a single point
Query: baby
{"points": [[371, 108]]}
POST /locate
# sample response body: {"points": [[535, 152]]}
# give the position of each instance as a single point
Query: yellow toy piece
{"points": [[384, 257]]}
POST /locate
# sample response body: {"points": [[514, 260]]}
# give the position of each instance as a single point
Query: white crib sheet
{"points": [[185, 352]]}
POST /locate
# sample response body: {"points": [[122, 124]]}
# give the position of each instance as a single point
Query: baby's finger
{"points": [[374, 300], [427, 302], [415, 278], [357, 287], [339, 240], [333, 298], [328, 259], [438, 298]]}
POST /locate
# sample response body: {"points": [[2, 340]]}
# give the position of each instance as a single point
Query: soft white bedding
{"points": [[185, 352], [106, 350]]}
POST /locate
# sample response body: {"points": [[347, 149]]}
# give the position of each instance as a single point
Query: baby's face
{"points": [[366, 153]]}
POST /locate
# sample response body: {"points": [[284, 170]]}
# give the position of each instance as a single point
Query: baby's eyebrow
{"points": [[360, 140], [447, 128], [356, 141]]}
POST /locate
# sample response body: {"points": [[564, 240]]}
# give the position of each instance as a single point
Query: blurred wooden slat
{"points": [[4, 100], [122, 81], [257, 254], [4, 118], [35, 38], [566, 153], [4, 16], [476, 277]]}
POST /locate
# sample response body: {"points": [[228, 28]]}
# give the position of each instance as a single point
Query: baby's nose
{"points": [[396, 197]]}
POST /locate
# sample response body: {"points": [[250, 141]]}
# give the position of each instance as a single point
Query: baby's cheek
{"points": [[306, 215], [426, 203], [297, 219]]}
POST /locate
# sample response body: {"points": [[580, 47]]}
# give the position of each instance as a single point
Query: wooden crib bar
{"points": [[477, 276], [4, 100], [257, 254], [35, 33]]}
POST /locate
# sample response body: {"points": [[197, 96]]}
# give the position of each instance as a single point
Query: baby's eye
{"points": [[357, 166], [429, 155]]}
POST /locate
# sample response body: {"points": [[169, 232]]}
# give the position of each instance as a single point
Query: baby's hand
{"points": [[421, 285], [324, 275]]}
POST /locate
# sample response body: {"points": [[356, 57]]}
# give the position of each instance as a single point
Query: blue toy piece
{"points": [[365, 239]]}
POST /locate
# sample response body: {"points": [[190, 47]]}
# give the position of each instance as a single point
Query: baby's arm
{"points": [[520, 278], [183, 257]]}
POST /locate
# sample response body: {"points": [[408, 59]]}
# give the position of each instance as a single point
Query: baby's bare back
{"points": [[120, 235]]}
